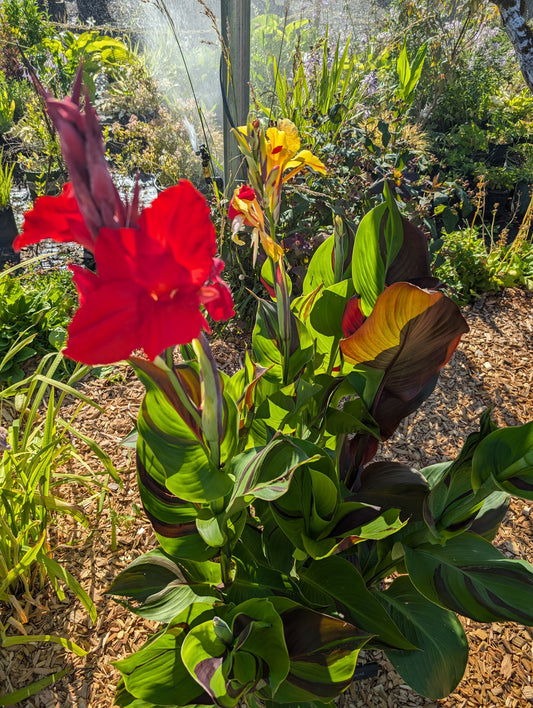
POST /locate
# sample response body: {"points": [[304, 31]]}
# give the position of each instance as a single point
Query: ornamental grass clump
{"points": [[6, 182], [276, 526]]}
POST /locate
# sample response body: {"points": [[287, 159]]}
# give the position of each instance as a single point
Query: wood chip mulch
{"points": [[492, 367]]}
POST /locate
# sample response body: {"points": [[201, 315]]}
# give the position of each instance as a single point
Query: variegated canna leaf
{"points": [[452, 505], [173, 452], [173, 519], [471, 577], [323, 653], [388, 249], [410, 335], [155, 587], [239, 653], [504, 460], [154, 671], [437, 666], [392, 485], [335, 581]]}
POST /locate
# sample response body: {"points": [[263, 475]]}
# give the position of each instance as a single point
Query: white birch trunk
{"points": [[513, 14]]}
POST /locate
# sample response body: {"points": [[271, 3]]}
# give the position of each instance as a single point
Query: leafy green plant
{"points": [[29, 24], [102, 56], [40, 155], [7, 105], [409, 73], [135, 92], [35, 309], [472, 261], [6, 181], [510, 117], [322, 92], [471, 267], [469, 58], [275, 42], [33, 452], [36, 446]]}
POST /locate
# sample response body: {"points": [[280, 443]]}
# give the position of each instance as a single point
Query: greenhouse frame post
{"points": [[235, 21]]}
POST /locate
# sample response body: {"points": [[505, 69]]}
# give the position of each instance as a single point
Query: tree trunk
{"points": [[514, 14]]}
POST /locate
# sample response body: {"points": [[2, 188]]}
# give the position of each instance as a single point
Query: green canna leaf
{"points": [[435, 669], [338, 582], [153, 672], [323, 653], [504, 460], [471, 577]]}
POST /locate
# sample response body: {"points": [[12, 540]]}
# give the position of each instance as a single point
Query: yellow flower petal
{"points": [[291, 135], [305, 158], [271, 248], [235, 238], [277, 151]]}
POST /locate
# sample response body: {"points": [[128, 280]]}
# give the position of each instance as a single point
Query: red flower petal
{"points": [[105, 329], [58, 218], [166, 323], [220, 307], [246, 193], [116, 254], [85, 281], [179, 219]]}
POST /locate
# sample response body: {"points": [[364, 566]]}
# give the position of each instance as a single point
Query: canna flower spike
{"points": [[273, 158], [156, 272], [90, 201]]}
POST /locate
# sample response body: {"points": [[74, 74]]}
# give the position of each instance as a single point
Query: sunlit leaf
{"points": [[435, 669], [410, 335]]}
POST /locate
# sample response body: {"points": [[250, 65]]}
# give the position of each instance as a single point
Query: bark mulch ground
{"points": [[492, 367]]}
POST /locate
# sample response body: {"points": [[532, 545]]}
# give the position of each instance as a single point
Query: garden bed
{"points": [[491, 367]]}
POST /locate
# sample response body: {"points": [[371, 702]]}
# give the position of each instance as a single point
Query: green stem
{"points": [[332, 355], [225, 565]]}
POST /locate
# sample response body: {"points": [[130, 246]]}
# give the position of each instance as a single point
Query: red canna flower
{"points": [[245, 193], [244, 210], [151, 282], [58, 218]]}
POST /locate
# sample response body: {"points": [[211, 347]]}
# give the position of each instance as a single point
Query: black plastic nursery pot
{"points": [[497, 199], [8, 232]]}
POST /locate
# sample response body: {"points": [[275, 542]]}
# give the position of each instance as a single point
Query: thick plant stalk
{"points": [[513, 14]]}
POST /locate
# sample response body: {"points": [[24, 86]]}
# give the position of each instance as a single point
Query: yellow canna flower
{"points": [[282, 147], [273, 158]]}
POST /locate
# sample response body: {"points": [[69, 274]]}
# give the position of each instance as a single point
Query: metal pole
{"points": [[235, 20]]}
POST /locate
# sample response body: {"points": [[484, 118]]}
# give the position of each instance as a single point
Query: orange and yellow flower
{"points": [[244, 210], [273, 158]]}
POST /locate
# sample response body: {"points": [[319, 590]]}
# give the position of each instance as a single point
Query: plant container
{"points": [[8, 232]]}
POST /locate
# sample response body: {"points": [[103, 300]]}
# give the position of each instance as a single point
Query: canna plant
{"points": [[276, 526]]}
